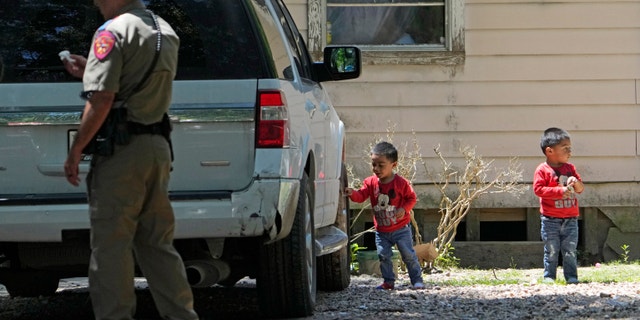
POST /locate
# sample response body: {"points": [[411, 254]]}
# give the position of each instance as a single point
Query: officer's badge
{"points": [[103, 44]]}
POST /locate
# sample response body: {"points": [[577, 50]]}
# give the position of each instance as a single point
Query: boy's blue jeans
{"points": [[404, 240], [560, 236]]}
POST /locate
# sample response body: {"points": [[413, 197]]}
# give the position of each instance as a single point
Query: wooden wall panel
{"points": [[510, 119], [483, 93], [558, 41], [508, 68], [603, 14], [592, 169]]}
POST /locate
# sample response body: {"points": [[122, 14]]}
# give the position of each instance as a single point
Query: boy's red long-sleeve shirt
{"points": [[547, 184], [385, 199]]}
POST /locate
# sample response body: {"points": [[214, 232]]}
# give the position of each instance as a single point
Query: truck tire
{"points": [[30, 283], [334, 269], [286, 281]]}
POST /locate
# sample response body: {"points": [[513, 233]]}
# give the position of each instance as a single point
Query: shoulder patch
{"points": [[103, 44]]}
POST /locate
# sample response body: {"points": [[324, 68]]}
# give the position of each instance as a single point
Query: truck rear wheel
{"points": [[334, 269], [286, 280]]}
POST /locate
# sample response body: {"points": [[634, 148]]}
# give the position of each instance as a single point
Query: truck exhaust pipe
{"points": [[205, 273]]}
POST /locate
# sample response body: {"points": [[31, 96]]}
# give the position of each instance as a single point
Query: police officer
{"points": [[128, 191]]}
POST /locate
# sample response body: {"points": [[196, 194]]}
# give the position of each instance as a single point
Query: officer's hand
{"points": [[75, 65], [71, 168]]}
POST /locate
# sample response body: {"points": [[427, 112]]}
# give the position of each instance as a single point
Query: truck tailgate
{"points": [[214, 134], [213, 138]]}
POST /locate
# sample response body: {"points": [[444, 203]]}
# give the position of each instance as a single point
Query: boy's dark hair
{"points": [[552, 137], [385, 149]]}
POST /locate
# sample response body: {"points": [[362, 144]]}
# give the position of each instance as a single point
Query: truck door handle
{"points": [[310, 107], [57, 170], [324, 108]]}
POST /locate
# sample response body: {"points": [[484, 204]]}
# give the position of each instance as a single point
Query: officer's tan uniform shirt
{"points": [[128, 60]]}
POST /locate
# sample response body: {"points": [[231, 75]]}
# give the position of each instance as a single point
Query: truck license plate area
{"points": [[71, 136]]}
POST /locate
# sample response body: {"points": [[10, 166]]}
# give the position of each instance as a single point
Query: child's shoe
{"points": [[385, 286], [418, 286]]}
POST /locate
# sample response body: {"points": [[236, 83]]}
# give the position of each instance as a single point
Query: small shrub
{"points": [[624, 256], [447, 259], [355, 266]]}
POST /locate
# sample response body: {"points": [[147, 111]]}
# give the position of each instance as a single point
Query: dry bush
{"points": [[459, 187], [470, 183]]}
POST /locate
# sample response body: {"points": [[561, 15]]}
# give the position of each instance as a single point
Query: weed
{"points": [[355, 266], [447, 259], [624, 256]]}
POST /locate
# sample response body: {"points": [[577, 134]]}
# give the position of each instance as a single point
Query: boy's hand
{"points": [[567, 192], [348, 191], [575, 184], [400, 213]]}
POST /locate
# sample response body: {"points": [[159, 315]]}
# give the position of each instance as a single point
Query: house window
{"points": [[386, 23], [390, 31]]}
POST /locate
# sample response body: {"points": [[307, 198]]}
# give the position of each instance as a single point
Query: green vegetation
{"points": [[614, 272], [355, 265], [624, 256], [447, 259]]}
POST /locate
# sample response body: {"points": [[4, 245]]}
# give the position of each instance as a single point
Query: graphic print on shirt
{"points": [[385, 212], [571, 200]]}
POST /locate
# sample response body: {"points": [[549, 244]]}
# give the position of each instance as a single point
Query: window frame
{"points": [[453, 52]]}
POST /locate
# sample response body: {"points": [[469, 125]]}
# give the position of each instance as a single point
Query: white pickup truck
{"points": [[259, 150]]}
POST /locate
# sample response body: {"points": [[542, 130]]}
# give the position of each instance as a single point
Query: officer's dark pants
{"points": [[131, 213]]}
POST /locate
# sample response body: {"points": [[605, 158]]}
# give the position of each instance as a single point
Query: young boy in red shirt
{"points": [[556, 182], [392, 199]]}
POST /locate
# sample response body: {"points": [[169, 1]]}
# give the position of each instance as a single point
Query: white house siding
{"points": [[528, 65]]}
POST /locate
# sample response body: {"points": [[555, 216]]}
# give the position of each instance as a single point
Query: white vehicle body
{"points": [[246, 203]]}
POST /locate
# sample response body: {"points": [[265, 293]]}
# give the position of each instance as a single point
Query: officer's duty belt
{"points": [[139, 128]]}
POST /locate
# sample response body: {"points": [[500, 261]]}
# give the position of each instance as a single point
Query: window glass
{"points": [[295, 40], [33, 32], [216, 38], [386, 22], [270, 30]]}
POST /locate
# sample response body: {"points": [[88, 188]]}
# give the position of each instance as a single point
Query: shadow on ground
{"points": [[210, 303]]}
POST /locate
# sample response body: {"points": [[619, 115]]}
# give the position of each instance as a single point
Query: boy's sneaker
{"points": [[548, 280], [385, 286], [573, 281], [418, 286]]}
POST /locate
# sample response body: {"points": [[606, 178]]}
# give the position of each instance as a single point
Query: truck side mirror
{"points": [[340, 63]]}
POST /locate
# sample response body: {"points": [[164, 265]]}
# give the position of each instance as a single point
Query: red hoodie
{"points": [[385, 199], [548, 183]]}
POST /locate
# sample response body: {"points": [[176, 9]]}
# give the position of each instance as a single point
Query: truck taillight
{"points": [[273, 120]]}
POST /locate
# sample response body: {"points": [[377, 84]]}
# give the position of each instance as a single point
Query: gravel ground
{"points": [[517, 301], [361, 301]]}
